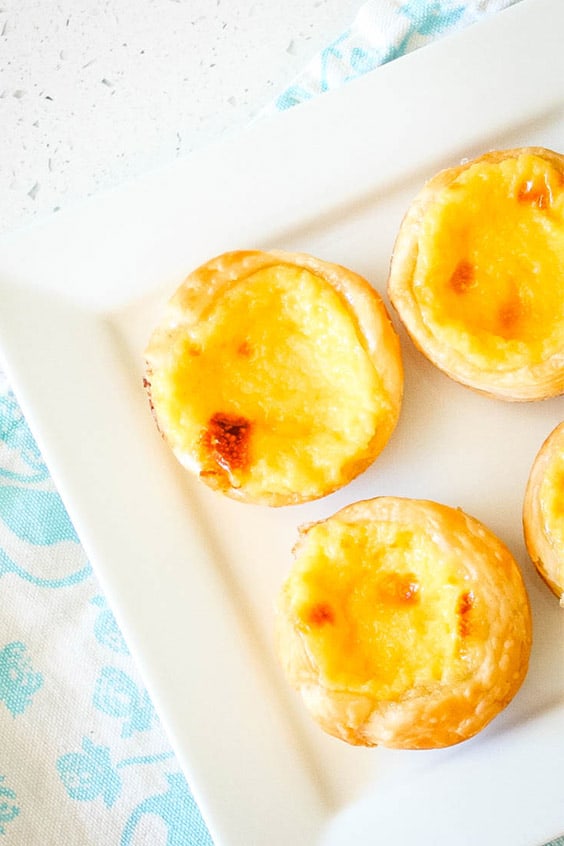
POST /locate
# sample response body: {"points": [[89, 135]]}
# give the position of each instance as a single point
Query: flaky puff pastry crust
{"points": [[508, 343], [543, 512], [276, 377], [403, 623]]}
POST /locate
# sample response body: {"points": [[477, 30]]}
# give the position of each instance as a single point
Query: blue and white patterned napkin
{"points": [[383, 30], [83, 759]]}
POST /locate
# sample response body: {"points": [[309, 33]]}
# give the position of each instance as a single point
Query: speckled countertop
{"points": [[95, 92]]}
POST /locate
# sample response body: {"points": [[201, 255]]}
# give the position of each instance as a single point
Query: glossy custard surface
{"points": [[273, 386], [383, 609], [489, 273]]}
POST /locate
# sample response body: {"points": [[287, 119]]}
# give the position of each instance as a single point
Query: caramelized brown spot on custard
{"points": [[509, 318], [463, 277], [463, 608], [535, 193], [400, 589], [244, 349], [226, 440], [320, 614]]}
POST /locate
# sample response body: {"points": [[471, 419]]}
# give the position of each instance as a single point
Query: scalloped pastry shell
{"points": [[374, 334], [427, 713], [530, 381], [545, 548]]}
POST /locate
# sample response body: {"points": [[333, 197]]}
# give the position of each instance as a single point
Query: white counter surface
{"points": [[95, 92]]}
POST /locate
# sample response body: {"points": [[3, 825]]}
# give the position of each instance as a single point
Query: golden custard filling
{"points": [[273, 386], [489, 272], [551, 498], [382, 610]]}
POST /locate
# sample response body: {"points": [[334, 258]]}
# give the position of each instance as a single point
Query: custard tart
{"points": [[477, 273], [403, 623], [275, 377], [543, 512]]}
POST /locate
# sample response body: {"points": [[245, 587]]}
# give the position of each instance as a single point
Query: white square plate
{"points": [[193, 577]]}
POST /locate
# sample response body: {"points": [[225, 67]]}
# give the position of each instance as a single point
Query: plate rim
{"points": [[351, 100]]}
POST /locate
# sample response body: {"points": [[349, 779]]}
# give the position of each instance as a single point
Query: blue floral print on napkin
{"points": [[432, 18], [8, 809], [90, 775], [383, 31], [36, 516], [15, 435], [175, 808], [117, 694], [106, 630], [39, 549], [18, 681], [31, 510]]}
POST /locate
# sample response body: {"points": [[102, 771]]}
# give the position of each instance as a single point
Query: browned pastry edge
{"points": [[375, 331], [423, 717], [547, 559], [521, 384]]}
